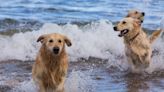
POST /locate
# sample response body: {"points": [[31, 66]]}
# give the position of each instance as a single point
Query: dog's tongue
{"points": [[122, 33]]}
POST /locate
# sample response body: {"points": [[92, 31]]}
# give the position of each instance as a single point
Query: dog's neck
{"points": [[130, 39], [134, 37]]}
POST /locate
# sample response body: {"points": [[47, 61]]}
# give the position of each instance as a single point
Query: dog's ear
{"points": [[67, 41], [128, 15], [137, 22], [41, 38]]}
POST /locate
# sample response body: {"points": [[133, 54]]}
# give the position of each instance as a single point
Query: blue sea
{"points": [[66, 11], [96, 58]]}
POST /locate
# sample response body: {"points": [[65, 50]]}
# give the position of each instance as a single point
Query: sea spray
{"points": [[97, 39], [94, 40]]}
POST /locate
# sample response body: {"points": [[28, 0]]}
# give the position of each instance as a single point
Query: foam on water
{"points": [[162, 23], [96, 40], [157, 60], [93, 40], [79, 82], [76, 82], [26, 86]]}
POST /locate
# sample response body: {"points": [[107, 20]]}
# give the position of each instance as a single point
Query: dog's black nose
{"points": [[143, 13], [141, 21], [56, 50], [115, 28]]}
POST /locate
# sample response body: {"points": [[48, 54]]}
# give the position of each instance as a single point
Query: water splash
{"points": [[76, 82], [93, 40]]}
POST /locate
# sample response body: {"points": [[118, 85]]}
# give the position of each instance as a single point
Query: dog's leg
{"points": [[61, 86], [42, 88], [135, 63], [131, 65], [145, 60], [62, 90]]}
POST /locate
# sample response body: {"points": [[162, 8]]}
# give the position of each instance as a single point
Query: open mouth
{"points": [[123, 32]]}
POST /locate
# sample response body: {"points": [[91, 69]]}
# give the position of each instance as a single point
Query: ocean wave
{"points": [[96, 39], [76, 82], [10, 26]]}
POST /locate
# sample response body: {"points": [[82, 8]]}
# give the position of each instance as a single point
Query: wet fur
{"points": [[136, 14], [140, 17], [138, 50], [49, 70]]}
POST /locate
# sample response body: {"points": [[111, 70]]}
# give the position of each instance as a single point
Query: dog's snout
{"points": [[143, 13], [115, 28], [56, 50], [141, 21]]}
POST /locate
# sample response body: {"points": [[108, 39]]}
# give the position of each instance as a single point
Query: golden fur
{"points": [[137, 44], [50, 69], [136, 14]]}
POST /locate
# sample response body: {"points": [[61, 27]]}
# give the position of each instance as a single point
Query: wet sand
{"points": [[102, 77]]}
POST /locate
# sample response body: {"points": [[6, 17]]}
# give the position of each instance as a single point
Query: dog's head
{"points": [[136, 14], [55, 43], [128, 27]]}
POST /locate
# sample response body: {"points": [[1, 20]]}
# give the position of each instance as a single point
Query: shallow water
{"points": [[92, 75], [108, 70], [97, 60]]}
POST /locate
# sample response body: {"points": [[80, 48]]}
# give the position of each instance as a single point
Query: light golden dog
{"points": [[137, 43], [136, 14], [50, 69]]}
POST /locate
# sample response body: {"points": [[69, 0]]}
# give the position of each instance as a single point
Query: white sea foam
{"points": [[162, 23], [157, 60], [79, 82], [94, 40], [97, 39], [76, 82], [26, 86]]}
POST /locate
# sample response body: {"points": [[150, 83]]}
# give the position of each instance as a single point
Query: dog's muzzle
{"points": [[56, 50], [123, 32], [143, 13], [115, 28]]}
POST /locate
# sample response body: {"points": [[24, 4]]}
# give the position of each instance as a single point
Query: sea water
{"points": [[96, 39]]}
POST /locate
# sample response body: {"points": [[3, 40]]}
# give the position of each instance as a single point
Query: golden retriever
{"points": [[136, 14], [137, 44], [50, 68]]}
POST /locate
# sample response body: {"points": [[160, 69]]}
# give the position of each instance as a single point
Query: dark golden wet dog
{"points": [[50, 68], [137, 44], [136, 14]]}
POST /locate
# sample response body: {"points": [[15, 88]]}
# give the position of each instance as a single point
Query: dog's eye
{"points": [[136, 12], [51, 41], [59, 41], [123, 22]]}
